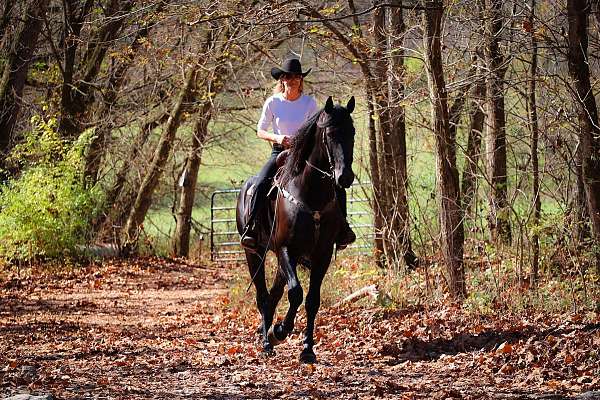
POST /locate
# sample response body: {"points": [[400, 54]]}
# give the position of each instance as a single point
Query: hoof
{"points": [[272, 336], [308, 357], [268, 351]]}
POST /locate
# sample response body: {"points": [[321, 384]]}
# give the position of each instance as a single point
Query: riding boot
{"points": [[249, 237], [262, 184], [346, 235]]}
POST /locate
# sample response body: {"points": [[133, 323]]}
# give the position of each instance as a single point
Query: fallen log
{"points": [[370, 290]]}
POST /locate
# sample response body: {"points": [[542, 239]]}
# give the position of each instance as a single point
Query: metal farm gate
{"points": [[225, 240]]}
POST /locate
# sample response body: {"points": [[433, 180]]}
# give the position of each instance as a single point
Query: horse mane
{"points": [[302, 145]]}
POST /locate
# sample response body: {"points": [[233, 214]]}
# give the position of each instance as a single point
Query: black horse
{"points": [[302, 221]]}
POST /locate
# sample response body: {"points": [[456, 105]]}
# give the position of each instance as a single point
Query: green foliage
{"points": [[47, 210]]}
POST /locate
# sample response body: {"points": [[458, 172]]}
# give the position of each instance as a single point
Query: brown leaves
{"points": [[155, 326]]}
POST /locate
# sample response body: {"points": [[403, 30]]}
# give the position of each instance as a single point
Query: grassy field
{"points": [[225, 165]]}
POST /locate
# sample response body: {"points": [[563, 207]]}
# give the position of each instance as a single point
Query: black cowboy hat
{"points": [[290, 66]]}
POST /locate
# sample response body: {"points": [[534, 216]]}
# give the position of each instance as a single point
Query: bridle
{"points": [[330, 174]]}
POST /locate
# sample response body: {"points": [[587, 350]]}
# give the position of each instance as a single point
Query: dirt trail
{"points": [[155, 329]]}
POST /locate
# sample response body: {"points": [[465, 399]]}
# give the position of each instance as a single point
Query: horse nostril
{"points": [[346, 179]]}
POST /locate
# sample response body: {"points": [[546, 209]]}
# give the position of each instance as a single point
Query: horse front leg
{"points": [[313, 303], [288, 267], [257, 274]]}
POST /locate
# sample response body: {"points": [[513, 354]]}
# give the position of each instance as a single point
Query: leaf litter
{"points": [[152, 328]]}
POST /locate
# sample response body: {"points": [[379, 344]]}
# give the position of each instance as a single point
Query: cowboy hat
{"points": [[290, 66]]}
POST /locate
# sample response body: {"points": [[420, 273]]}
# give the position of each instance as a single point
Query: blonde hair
{"points": [[278, 88]]}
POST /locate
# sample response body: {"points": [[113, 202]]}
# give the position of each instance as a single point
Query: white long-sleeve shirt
{"points": [[286, 116]]}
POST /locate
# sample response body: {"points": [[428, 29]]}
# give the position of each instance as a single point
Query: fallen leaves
{"points": [[156, 328]]}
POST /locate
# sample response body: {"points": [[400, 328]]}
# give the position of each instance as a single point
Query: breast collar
{"points": [[316, 214]]}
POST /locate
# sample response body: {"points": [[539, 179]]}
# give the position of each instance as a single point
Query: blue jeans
{"points": [[263, 183]]}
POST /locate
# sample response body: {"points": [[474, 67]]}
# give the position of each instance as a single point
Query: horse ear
{"points": [[329, 105], [350, 106]]}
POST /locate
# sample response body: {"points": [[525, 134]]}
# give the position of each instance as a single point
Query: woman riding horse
{"points": [[286, 110], [303, 222]]}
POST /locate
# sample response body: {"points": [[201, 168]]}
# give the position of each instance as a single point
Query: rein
{"points": [[329, 174], [325, 174]]}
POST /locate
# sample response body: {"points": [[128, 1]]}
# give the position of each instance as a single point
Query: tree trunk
{"points": [[181, 240], [73, 23], [473, 152], [78, 94], [582, 216], [533, 126], [15, 74], [117, 75], [499, 219], [5, 19], [114, 218], [361, 53], [451, 225], [163, 149], [376, 183], [385, 159], [400, 224], [589, 130], [596, 12]]}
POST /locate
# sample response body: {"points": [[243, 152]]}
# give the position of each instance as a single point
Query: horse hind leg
{"points": [[275, 295], [257, 274]]}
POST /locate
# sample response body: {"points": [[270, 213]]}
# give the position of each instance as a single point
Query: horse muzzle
{"points": [[345, 179]]}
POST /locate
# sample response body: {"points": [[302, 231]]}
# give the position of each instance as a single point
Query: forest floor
{"points": [[159, 329]]}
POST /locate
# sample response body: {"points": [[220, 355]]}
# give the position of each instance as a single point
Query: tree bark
{"points": [[596, 12], [78, 93], [161, 154], [73, 23], [451, 217], [473, 152], [589, 130], [5, 19], [385, 159], [360, 53], [181, 239], [375, 183], [499, 219], [582, 216], [400, 223], [533, 126], [378, 219], [15, 74]]}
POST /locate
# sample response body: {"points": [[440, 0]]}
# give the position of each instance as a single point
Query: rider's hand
{"points": [[286, 142]]}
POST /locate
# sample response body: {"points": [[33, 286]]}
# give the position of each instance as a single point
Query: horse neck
{"points": [[314, 188]]}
